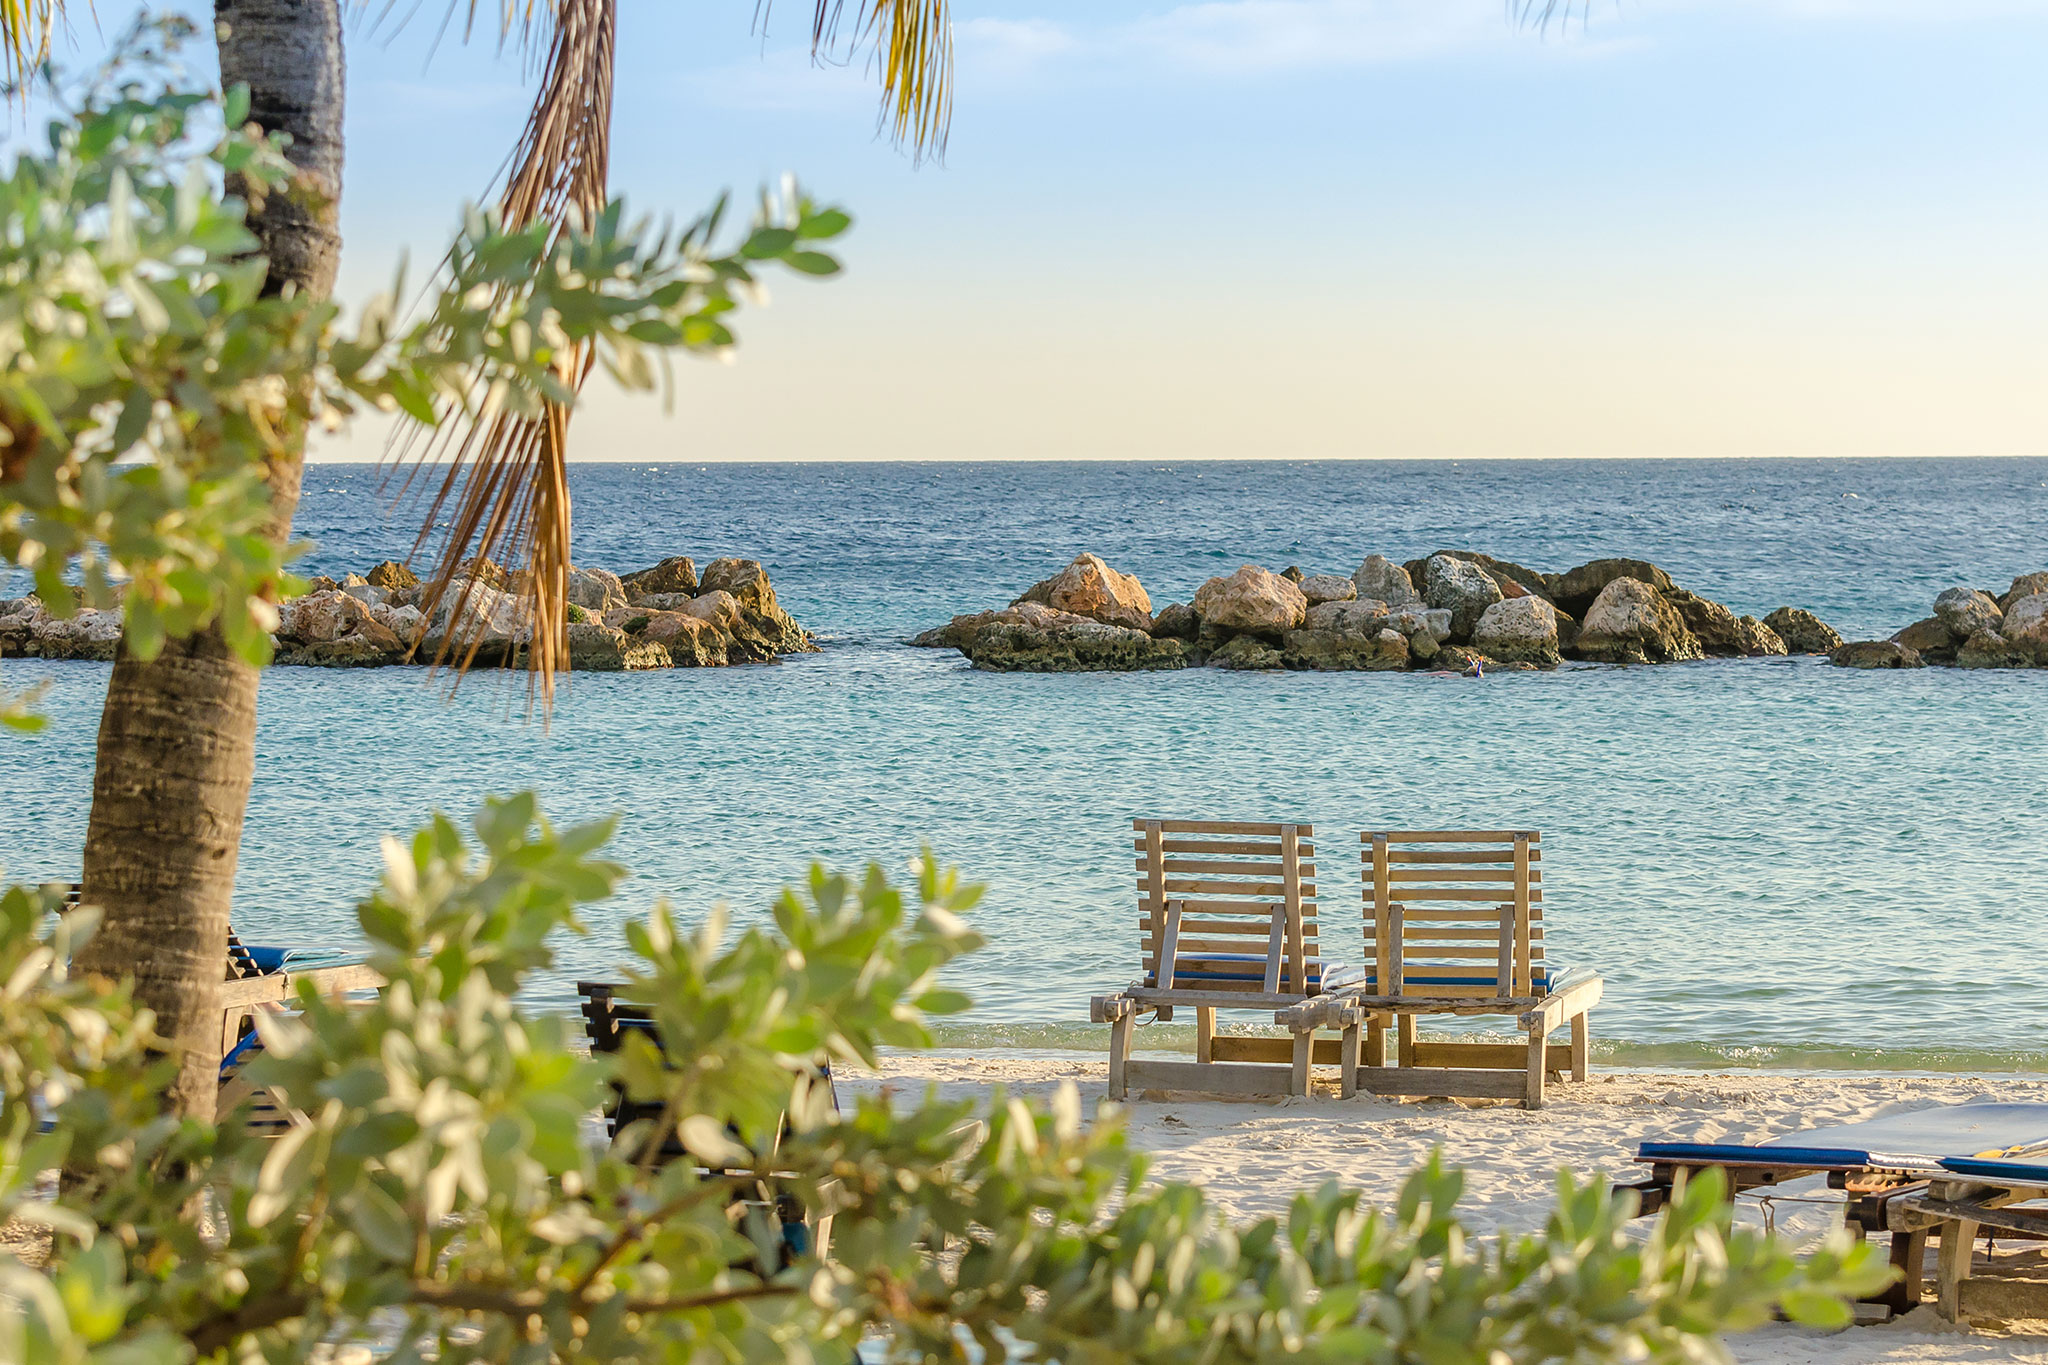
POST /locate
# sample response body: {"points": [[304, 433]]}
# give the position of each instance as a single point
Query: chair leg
{"points": [[1347, 1060], [1909, 1258], [1376, 1040], [1958, 1242], [1539, 1048], [1582, 1045], [1119, 1051], [1304, 1047], [1404, 1042], [1205, 1032]]}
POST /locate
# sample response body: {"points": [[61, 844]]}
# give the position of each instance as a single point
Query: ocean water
{"points": [[1773, 862]]}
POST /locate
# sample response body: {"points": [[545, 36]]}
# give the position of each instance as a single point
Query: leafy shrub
{"points": [[443, 1194]]}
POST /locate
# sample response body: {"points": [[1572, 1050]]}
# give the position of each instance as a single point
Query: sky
{"points": [[1314, 228]]}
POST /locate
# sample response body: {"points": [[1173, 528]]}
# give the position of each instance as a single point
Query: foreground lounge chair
{"points": [[264, 978], [1990, 1197], [1892, 1169], [1227, 921], [1454, 925], [606, 1022]]}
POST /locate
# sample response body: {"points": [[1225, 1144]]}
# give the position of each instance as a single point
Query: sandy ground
{"points": [[1250, 1156]]}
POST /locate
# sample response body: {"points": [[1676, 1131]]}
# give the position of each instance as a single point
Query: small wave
{"points": [[1179, 1037]]}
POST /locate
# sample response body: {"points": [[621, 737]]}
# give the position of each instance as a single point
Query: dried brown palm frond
{"points": [[27, 28], [1539, 13], [505, 476], [912, 46]]}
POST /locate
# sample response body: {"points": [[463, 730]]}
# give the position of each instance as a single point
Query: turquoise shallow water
{"points": [[1772, 861]]}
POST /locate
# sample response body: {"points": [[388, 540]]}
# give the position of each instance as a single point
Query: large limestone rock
{"points": [[1803, 632], [596, 590], [718, 608], [471, 612], [676, 575], [403, 620], [336, 629], [1382, 580], [1246, 653], [2026, 585], [765, 629], [1251, 600], [392, 576], [1177, 621], [691, 641], [1577, 588], [1989, 649], [1965, 612], [1460, 587], [1876, 654], [1327, 587], [1034, 638], [2026, 625], [1350, 617], [1514, 580], [1630, 622], [598, 648], [1518, 630], [88, 633], [1332, 651], [1089, 587], [1426, 629], [1721, 633], [1930, 638]]}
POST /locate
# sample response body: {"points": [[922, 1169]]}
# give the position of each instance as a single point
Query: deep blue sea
{"points": [[1773, 862]]}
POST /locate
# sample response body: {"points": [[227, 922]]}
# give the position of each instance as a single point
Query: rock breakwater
{"points": [[1454, 609], [667, 616]]}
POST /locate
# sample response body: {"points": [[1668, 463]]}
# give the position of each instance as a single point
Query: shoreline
{"points": [[1251, 1156]]}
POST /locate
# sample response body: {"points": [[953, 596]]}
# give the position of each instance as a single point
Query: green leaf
{"points": [[378, 1219], [812, 263], [829, 223]]}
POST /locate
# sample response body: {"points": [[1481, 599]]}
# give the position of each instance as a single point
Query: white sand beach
{"points": [[1250, 1156]]}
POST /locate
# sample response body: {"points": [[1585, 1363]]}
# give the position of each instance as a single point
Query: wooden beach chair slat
{"points": [[1446, 857], [1263, 828]]}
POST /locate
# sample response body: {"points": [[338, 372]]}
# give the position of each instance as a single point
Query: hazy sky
{"points": [[1250, 228]]}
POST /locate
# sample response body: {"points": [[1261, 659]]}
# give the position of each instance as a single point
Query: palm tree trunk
{"points": [[177, 744]]}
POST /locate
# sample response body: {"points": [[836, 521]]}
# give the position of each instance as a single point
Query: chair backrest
{"points": [[1234, 883], [1454, 913]]}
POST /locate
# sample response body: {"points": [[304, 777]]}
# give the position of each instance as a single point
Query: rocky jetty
{"points": [[1968, 628], [667, 616], [1451, 610]]}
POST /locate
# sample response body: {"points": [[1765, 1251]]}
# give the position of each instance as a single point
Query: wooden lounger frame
{"points": [[1876, 1196], [1227, 920], [1454, 925], [1956, 1210], [242, 997]]}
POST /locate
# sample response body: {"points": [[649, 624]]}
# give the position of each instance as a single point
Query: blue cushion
{"points": [[1254, 960], [1918, 1140], [1996, 1169]]}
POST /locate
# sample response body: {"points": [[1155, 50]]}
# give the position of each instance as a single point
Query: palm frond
{"points": [[911, 42], [27, 28], [506, 477], [1538, 14]]}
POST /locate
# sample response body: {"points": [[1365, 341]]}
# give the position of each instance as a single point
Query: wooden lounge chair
{"points": [[1891, 1171], [1227, 919], [1991, 1197], [606, 1022], [260, 978], [1454, 925]]}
